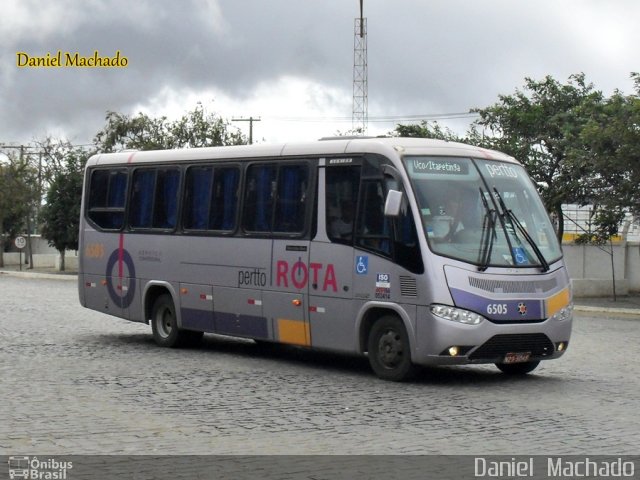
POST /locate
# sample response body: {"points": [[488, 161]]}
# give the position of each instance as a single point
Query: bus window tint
{"points": [[224, 199], [142, 198], [292, 199], [374, 230], [107, 193], [258, 201], [154, 199], [342, 186], [165, 209], [197, 198]]}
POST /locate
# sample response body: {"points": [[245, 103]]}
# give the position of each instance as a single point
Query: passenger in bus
{"points": [[342, 227]]}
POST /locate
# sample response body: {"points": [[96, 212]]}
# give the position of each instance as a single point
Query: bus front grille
{"points": [[538, 344], [513, 286]]}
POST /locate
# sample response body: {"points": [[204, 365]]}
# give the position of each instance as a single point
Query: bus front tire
{"points": [[164, 325], [389, 351], [518, 368]]}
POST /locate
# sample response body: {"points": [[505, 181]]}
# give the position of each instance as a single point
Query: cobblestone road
{"points": [[76, 381]]}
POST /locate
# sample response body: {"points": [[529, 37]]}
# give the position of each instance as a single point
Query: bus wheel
{"points": [[165, 327], [388, 350], [517, 368]]}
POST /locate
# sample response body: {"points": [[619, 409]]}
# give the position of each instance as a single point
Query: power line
{"points": [[376, 118]]}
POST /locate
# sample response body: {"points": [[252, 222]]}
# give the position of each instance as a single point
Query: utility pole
{"points": [[250, 120]]}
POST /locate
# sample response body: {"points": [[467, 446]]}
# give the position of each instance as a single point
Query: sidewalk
{"points": [[625, 305]]}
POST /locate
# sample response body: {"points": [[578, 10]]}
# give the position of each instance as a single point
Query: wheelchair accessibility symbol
{"points": [[520, 256], [362, 265]]}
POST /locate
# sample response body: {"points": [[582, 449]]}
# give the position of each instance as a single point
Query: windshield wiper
{"points": [[488, 234], [516, 225]]}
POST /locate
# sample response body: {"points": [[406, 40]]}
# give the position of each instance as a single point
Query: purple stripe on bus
{"points": [[499, 309], [241, 325], [201, 320]]}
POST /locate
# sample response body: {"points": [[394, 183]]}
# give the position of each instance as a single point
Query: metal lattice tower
{"points": [[360, 117]]}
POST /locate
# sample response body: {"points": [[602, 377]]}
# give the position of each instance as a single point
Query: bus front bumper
{"points": [[445, 342]]}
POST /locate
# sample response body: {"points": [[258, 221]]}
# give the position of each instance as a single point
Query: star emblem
{"points": [[522, 309]]}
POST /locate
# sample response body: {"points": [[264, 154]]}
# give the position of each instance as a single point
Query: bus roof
{"points": [[389, 146]]}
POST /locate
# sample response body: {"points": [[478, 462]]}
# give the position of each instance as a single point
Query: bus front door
{"points": [[331, 305]]}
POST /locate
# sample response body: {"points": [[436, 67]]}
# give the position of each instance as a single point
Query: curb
{"points": [[616, 311], [43, 276]]}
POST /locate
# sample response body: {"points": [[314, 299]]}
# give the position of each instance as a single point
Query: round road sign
{"points": [[20, 242]]}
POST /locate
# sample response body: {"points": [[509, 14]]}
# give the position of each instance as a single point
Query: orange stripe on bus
{"points": [[294, 332]]}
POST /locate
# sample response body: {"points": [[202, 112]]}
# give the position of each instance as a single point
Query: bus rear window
{"points": [[107, 193]]}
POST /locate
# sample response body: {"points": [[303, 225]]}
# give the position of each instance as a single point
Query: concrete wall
{"points": [[38, 245], [591, 269], [43, 260]]}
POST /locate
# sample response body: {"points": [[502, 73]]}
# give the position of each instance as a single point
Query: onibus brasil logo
{"points": [[34, 468]]}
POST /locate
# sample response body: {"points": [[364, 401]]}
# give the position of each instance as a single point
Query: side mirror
{"points": [[393, 203]]}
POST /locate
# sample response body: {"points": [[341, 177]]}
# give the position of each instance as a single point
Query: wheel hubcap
{"points": [[390, 348], [164, 322]]}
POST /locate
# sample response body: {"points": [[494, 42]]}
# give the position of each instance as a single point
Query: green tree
{"points": [[542, 126], [60, 216], [196, 128], [610, 152], [16, 194], [427, 130]]}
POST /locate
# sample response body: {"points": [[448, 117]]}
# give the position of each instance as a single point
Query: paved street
{"points": [[76, 381]]}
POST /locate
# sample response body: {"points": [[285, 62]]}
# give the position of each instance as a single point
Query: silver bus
{"points": [[409, 251]]}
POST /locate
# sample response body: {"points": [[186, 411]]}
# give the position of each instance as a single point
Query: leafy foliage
{"points": [[426, 130], [578, 146], [61, 214], [16, 196], [141, 132]]}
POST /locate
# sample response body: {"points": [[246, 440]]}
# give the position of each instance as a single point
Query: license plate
{"points": [[517, 357]]}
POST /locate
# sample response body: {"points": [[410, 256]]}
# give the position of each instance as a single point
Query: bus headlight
{"points": [[563, 314], [456, 314]]}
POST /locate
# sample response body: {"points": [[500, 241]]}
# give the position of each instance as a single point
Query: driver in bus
{"points": [[457, 217]]}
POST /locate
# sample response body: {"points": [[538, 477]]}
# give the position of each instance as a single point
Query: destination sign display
{"points": [[440, 166]]}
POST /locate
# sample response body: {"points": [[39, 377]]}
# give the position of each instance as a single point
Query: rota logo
{"points": [[522, 309], [298, 274]]}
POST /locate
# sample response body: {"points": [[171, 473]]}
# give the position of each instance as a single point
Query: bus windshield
{"points": [[483, 212]]}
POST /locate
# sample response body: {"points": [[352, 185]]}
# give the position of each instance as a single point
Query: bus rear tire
{"points": [[164, 325], [518, 368], [389, 350]]}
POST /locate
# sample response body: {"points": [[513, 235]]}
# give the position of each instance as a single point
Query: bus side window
{"points": [[342, 187], [142, 198], [374, 229], [211, 198], [224, 199], [107, 192], [197, 198], [259, 196], [165, 208], [406, 245], [290, 212], [154, 198]]}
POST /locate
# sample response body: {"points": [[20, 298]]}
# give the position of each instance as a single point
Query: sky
{"points": [[290, 63]]}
